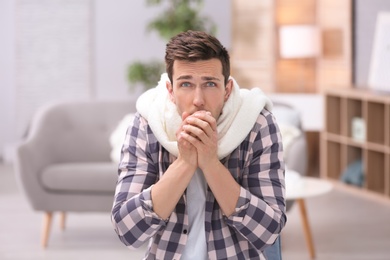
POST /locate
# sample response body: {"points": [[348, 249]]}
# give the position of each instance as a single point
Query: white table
{"points": [[298, 188]]}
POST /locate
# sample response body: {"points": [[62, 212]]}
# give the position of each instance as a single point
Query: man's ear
{"points": [[228, 89], [170, 91]]}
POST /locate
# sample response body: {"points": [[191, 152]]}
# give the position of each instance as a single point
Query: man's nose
{"points": [[198, 97]]}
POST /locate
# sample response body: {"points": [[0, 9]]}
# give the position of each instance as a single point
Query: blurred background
{"points": [[300, 52], [82, 49], [76, 50]]}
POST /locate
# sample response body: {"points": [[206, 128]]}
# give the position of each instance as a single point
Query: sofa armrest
{"points": [[28, 164]]}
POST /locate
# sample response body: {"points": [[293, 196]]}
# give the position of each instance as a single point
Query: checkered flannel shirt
{"points": [[256, 164]]}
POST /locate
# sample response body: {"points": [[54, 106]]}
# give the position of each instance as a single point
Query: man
{"points": [[201, 171]]}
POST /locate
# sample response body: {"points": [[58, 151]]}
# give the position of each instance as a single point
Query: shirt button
{"points": [[185, 231]]}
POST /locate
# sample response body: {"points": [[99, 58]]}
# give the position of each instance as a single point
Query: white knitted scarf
{"points": [[238, 116]]}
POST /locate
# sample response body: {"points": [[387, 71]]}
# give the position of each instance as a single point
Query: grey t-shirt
{"points": [[196, 247]]}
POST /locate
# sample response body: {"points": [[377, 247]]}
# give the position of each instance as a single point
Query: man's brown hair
{"points": [[194, 46]]}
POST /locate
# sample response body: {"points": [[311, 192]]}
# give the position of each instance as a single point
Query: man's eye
{"points": [[211, 84], [185, 84]]}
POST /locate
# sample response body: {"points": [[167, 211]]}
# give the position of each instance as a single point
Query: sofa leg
{"points": [[47, 219], [62, 220]]}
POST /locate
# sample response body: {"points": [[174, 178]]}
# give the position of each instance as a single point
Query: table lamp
{"points": [[298, 42]]}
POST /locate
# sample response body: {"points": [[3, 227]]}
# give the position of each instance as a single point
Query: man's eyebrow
{"points": [[210, 78], [205, 78], [184, 77]]}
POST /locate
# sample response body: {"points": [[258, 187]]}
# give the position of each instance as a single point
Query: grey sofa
{"points": [[64, 164], [296, 153]]}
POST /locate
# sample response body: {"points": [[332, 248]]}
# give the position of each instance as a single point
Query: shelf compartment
{"points": [[375, 121], [354, 111], [333, 117], [375, 170], [350, 162], [333, 162], [354, 154]]}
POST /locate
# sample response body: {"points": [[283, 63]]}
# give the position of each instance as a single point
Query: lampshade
{"points": [[298, 41]]}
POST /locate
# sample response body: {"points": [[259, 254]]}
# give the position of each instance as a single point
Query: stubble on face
{"points": [[204, 76]]}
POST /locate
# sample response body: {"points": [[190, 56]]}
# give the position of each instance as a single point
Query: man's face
{"points": [[199, 86]]}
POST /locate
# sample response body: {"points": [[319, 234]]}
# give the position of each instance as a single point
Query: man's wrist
{"points": [[184, 166], [211, 166]]}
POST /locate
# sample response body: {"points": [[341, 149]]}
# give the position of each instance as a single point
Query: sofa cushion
{"points": [[96, 177], [117, 137]]}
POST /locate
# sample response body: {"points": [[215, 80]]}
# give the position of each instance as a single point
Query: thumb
{"points": [[184, 115]]}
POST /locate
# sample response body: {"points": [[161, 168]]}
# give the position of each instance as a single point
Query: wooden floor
{"points": [[344, 226]]}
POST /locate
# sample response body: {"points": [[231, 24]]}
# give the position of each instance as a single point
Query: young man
{"points": [[201, 171]]}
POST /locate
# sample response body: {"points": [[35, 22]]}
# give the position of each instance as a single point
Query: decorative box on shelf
{"points": [[358, 129]]}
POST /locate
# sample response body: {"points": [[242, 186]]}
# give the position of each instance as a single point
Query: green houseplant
{"points": [[178, 16]]}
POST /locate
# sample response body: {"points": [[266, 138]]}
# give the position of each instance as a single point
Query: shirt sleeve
{"points": [[260, 211], [132, 214]]}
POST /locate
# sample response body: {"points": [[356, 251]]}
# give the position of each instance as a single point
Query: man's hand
{"points": [[187, 152], [201, 132]]}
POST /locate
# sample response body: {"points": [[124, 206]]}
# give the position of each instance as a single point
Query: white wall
{"points": [[121, 38], [53, 54], [7, 108], [117, 37], [364, 31]]}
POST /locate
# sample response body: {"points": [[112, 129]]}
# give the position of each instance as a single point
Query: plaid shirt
{"points": [[256, 164]]}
